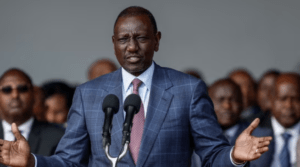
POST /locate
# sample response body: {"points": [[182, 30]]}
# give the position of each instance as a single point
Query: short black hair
{"points": [[137, 11], [14, 69], [59, 87]]}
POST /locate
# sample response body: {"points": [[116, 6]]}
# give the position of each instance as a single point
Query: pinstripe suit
{"points": [[180, 118]]}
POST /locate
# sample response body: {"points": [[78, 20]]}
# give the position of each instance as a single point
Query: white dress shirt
{"points": [[144, 88], [24, 129], [279, 141]]}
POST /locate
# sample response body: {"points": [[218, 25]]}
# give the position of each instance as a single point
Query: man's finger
{"points": [[252, 126], [263, 144], [16, 131]]}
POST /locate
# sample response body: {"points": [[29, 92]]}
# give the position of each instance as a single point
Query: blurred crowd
{"points": [[40, 111]]}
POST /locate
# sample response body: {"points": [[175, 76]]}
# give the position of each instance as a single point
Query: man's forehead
{"points": [[14, 78], [132, 22]]}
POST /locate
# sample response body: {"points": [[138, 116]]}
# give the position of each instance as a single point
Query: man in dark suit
{"points": [[177, 114], [285, 118], [16, 104]]}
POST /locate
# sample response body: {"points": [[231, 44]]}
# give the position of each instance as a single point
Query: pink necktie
{"points": [[138, 125]]}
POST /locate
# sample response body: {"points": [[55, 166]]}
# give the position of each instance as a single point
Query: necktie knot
{"points": [[136, 84], [286, 136]]}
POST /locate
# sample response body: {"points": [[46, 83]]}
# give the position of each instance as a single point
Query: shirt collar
{"points": [[25, 127], [145, 77], [279, 129]]}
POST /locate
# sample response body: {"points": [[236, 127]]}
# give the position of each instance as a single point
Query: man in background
{"points": [[248, 87], [16, 104], [101, 67], [265, 93], [39, 107], [58, 100], [285, 119]]}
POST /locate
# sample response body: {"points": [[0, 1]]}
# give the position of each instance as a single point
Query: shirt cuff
{"points": [[234, 163], [35, 160]]}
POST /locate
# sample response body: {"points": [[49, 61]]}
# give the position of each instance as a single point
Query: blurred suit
{"points": [[43, 137]]}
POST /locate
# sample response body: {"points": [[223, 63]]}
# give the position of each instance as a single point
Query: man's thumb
{"points": [[252, 126], [16, 131]]}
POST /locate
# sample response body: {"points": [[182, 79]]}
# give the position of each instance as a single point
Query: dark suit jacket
{"points": [[43, 137], [180, 118]]}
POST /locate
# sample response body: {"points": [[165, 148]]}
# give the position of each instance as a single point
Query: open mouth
{"points": [[134, 59]]}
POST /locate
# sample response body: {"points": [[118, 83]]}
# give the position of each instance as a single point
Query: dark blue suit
{"points": [[180, 118]]}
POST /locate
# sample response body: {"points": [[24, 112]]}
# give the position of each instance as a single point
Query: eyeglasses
{"points": [[20, 88]]}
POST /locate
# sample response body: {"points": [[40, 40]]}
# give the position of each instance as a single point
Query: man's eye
{"points": [[141, 38], [122, 39]]}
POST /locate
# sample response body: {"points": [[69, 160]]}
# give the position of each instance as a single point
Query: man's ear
{"points": [[157, 39], [113, 39]]}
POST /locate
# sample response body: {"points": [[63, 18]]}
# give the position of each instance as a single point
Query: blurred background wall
{"points": [[61, 38]]}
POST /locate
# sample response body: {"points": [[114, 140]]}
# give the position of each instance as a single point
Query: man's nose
{"points": [[289, 103], [132, 45], [226, 105], [15, 93]]}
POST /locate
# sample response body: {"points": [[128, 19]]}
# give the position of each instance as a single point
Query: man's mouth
{"points": [[134, 59]]}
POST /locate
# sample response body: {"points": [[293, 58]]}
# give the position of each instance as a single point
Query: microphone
{"points": [[110, 106], [132, 106]]}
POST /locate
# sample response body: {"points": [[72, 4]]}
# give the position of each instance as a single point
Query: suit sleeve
{"points": [[209, 142], [73, 149]]}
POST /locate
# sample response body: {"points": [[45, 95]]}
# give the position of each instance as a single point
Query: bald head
{"points": [[247, 85], [286, 103], [227, 99], [101, 67], [16, 71]]}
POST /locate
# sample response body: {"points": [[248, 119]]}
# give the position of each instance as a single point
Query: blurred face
{"points": [[266, 92], [16, 98], [99, 70], [135, 43], [227, 104], [247, 88], [57, 111], [39, 107], [286, 106]]}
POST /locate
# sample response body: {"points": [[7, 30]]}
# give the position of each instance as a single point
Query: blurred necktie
{"points": [[138, 125], [284, 156]]}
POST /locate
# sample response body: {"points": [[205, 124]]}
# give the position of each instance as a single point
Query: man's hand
{"points": [[247, 147], [16, 153]]}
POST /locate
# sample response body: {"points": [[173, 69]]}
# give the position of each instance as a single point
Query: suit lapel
{"points": [[34, 137], [118, 118], [158, 107]]}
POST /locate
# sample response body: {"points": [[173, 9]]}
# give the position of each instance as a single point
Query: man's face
{"points": [[227, 104], [57, 111], [135, 43], [266, 92], [286, 106], [247, 88], [16, 97]]}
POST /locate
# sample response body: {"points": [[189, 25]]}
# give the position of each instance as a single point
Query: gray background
{"points": [[59, 39]]}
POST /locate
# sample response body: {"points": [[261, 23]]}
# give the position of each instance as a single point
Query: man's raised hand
{"points": [[16, 153], [247, 147]]}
